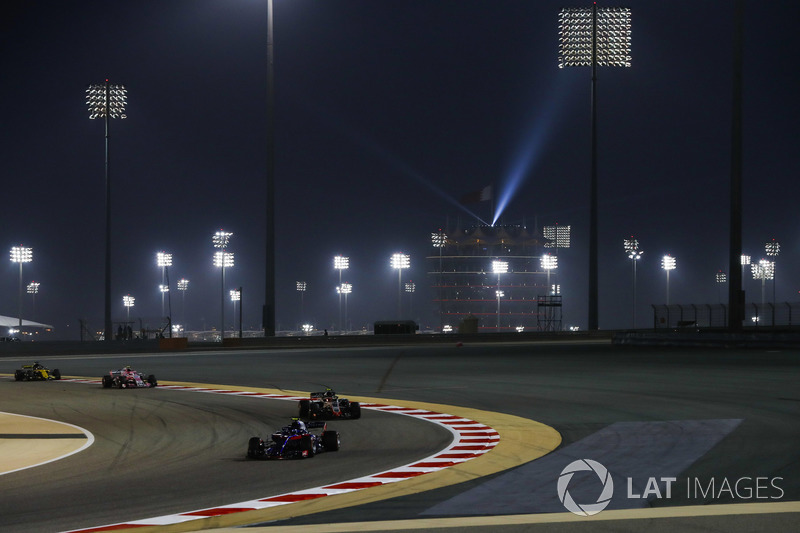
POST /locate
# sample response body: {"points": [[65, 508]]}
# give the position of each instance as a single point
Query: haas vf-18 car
{"points": [[328, 406]]}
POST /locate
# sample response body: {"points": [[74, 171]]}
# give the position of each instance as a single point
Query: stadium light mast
{"points": [[301, 288], [773, 248], [400, 261], [668, 263], [548, 263], [183, 286], [499, 267], [268, 311], [439, 240], [344, 288], [763, 270], [163, 260], [340, 263], [21, 254], [722, 278], [592, 37], [634, 254], [236, 296], [736, 296], [107, 101], [128, 301], [33, 290], [222, 259]]}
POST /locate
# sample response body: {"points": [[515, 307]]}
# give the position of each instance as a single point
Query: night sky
{"points": [[387, 112]]}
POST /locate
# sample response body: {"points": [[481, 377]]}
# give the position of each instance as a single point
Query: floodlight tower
{"points": [[236, 295], [439, 240], [301, 288], [340, 263], [33, 290], [773, 248], [634, 254], [163, 260], [499, 267], [499, 295], [344, 288], [107, 101], [592, 37], [223, 260], [548, 263], [763, 270], [400, 261], [722, 278], [268, 311], [411, 287], [21, 254], [128, 302], [183, 286], [668, 263]]}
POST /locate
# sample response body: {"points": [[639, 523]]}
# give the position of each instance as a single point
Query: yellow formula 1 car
{"points": [[36, 372]]}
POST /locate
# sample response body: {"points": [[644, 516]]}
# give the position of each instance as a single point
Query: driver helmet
{"points": [[298, 425]]}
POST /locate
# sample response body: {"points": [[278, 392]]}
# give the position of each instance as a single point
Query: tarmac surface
{"points": [[703, 416]]}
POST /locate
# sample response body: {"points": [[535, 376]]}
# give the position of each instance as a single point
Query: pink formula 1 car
{"points": [[127, 378]]}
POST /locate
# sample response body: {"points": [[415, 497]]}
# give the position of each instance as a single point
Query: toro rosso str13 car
{"points": [[36, 372], [294, 441], [327, 406], [127, 378]]}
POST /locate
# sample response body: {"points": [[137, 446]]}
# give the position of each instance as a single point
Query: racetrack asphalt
{"points": [[578, 389]]}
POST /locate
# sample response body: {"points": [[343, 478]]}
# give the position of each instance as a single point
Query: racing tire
{"points": [[304, 409], [56, 373], [19, 375], [355, 410], [107, 382], [151, 379], [307, 445], [330, 440], [255, 448]]}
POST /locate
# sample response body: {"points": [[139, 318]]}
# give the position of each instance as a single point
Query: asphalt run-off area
{"points": [[511, 436]]}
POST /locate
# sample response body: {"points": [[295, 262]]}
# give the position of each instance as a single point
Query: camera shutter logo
{"points": [[585, 509]]}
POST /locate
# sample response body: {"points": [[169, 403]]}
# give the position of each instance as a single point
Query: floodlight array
{"points": [[163, 288], [21, 254], [499, 267], [763, 270], [128, 300], [301, 286], [163, 259], [223, 259], [722, 277], [745, 260], [772, 248], [341, 262], [438, 239], [235, 295], [221, 239], [411, 286], [183, 284], [401, 261], [344, 288], [668, 262], [558, 236], [613, 37], [96, 100], [632, 248], [549, 262], [33, 287]]}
